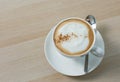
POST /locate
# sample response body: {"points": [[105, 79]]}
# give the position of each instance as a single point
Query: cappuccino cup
{"points": [[74, 37]]}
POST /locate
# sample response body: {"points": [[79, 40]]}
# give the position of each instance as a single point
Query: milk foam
{"points": [[76, 43]]}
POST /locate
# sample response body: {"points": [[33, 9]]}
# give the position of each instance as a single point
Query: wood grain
{"points": [[24, 25]]}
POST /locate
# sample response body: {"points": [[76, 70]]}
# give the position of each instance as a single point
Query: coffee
{"points": [[73, 36]]}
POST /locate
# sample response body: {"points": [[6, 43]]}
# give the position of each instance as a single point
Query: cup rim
{"points": [[77, 54]]}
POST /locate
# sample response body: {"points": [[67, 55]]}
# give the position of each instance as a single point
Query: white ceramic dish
{"points": [[71, 66]]}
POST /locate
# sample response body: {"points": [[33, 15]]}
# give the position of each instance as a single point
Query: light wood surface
{"points": [[24, 25]]}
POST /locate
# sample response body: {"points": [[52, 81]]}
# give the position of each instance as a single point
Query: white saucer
{"points": [[71, 66]]}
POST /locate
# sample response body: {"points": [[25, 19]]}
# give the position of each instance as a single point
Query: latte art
{"points": [[63, 38], [73, 37]]}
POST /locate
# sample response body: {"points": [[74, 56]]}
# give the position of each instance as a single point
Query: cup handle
{"points": [[97, 52]]}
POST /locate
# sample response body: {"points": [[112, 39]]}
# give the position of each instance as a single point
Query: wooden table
{"points": [[24, 25]]}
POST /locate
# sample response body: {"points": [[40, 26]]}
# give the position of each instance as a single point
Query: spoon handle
{"points": [[86, 63]]}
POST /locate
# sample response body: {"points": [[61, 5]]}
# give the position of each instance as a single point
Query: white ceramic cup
{"points": [[94, 50]]}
